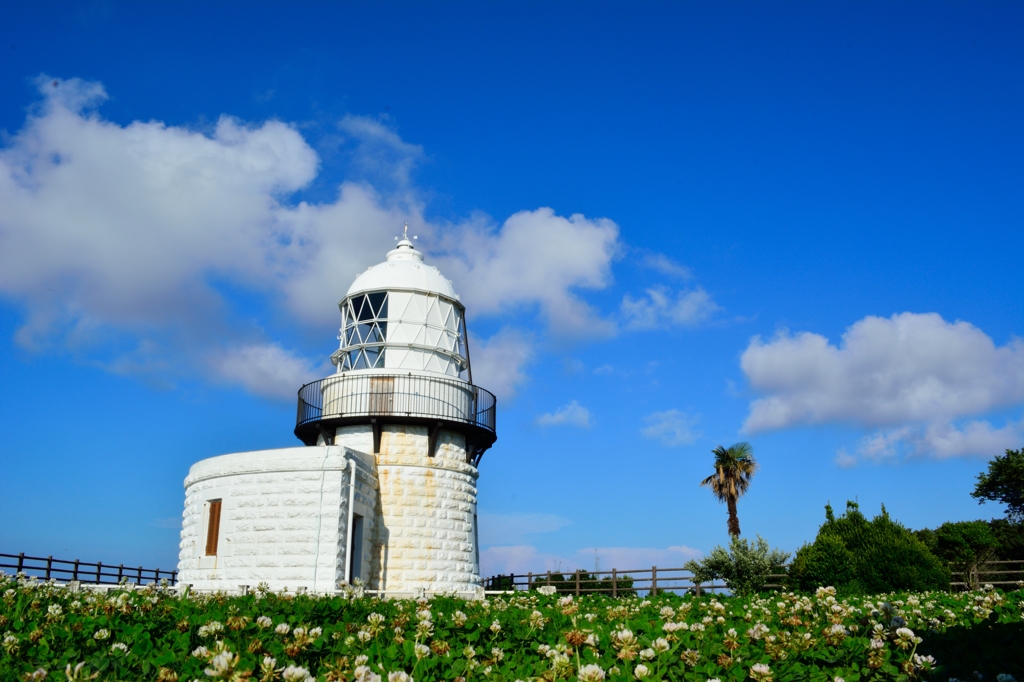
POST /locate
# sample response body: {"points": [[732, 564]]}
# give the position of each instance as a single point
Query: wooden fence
{"points": [[98, 573], [1005, 574], [615, 582]]}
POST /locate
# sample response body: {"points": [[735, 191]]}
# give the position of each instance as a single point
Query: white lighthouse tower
{"points": [[384, 489]]}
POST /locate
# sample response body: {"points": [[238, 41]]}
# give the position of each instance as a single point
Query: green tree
{"points": [[734, 468], [965, 545], [745, 568], [857, 555], [1004, 483]]}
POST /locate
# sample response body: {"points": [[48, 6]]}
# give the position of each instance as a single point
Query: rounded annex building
{"points": [[383, 490]]}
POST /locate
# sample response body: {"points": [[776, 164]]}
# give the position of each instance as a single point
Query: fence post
{"points": [[549, 578], [654, 580], [156, 576], [140, 575], [99, 572], [577, 582], [21, 562], [120, 573], [49, 565], [529, 581], [615, 584], [74, 574], [174, 577]]}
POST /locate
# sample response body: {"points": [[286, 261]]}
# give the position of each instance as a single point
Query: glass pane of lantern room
{"points": [[379, 303], [365, 312]]}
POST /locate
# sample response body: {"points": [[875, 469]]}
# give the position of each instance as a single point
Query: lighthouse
{"points": [[382, 493]]}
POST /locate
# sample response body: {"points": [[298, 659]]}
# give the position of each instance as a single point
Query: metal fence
{"points": [[1006, 574], [98, 573]]}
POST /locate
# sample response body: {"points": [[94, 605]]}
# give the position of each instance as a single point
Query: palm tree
{"points": [[734, 468]]}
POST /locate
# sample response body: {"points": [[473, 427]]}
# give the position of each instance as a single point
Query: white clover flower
{"points": [[295, 673], [212, 628], [647, 654], [667, 612], [268, 662], [119, 646], [361, 659], [661, 644], [469, 652], [547, 590], [364, 636], [565, 601], [316, 632], [264, 622], [671, 627], [421, 650], [697, 627], [201, 652], [1005, 677], [876, 644], [720, 620], [399, 676], [838, 679], [543, 649], [497, 653], [221, 664], [537, 620], [761, 671], [422, 614], [495, 627], [758, 631], [283, 628], [591, 673], [641, 671], [377, 619], [923, 662], [37, 675], [459, 618], [101, 634], [54, 610]]}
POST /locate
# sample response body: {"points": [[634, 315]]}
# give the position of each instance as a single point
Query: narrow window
{"points": [[355, 550], [213, 528]]}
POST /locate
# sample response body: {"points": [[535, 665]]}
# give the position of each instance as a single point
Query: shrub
{"points": [[745, 568], [858, 556]]}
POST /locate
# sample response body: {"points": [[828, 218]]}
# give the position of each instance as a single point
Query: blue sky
{"points": [[674, 226]]}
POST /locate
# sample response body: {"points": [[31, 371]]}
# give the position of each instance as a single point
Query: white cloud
{"points": [[511, 529], [521, 559], [887, 371], [498, 362], [266, 370], [666, 266], [660, 308], [671, 427], [539, 258], [915, 375], [120, 241], [572, 414], [938, 439]]}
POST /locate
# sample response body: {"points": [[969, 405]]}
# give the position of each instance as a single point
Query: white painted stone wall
{"points": [[284, 518], [428, 513]]}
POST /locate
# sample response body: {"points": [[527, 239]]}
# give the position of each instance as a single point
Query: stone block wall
{"points": [[284, 518]]}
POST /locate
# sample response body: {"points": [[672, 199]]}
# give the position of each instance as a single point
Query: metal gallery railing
{"points": [[352, 395], [99, 573]]}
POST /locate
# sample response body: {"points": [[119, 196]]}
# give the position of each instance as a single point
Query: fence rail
{"points": [[653, 580], [98, 573]]}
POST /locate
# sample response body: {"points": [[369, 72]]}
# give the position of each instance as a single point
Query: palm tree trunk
{"points": [[734, 521]]}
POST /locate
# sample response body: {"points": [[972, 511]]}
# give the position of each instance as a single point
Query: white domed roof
{"points": [[404, 269]]}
